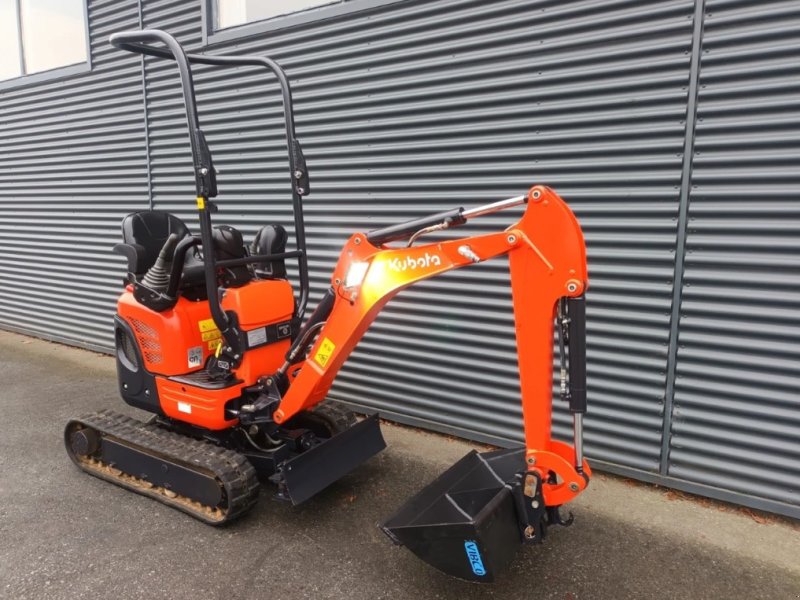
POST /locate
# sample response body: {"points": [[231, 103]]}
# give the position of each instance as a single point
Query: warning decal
{"points": [[324, 353], [207, 325], [214, 334]]}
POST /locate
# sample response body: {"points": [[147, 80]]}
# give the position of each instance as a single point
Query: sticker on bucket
{"points": [[474, 556]]}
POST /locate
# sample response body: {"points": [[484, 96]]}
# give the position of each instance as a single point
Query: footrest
{"points": [[203, 379]]}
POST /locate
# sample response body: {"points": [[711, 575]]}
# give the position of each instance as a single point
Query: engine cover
{"points": [[175, 344]]}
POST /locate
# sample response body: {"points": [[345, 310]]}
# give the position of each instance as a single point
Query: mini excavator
{"points": [[212, 340]]}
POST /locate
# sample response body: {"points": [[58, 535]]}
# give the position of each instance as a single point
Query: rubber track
{"points": [[232, 470], [336, 414]]}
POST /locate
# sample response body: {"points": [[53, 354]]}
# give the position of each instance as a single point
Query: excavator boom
{"points": [[547, 261], [468, 521]]}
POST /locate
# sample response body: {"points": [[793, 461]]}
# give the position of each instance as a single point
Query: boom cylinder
{"points": [[576, 309]]}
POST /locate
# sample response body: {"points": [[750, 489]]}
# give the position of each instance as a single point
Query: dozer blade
{"points": [[464, 523], [312, 471]]}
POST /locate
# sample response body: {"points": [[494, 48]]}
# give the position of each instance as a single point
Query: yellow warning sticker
{"points": [[214, 334], [201, 202], [207, 325], [325, 351], [212, 345]]}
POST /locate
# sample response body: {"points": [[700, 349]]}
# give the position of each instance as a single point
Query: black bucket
{"points": [[465, 522]]}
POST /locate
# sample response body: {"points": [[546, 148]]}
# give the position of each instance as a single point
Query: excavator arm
{"points": [[547, 261]]}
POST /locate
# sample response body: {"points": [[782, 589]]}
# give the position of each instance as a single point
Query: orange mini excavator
{"points": [[212, 340]]}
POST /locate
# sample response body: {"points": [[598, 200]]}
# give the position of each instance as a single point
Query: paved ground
{"points": [[64, 534]]}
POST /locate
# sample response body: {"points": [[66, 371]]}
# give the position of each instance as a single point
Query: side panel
{"points": [[137, 385], [173, 342], [258, 305], [198, 406]]}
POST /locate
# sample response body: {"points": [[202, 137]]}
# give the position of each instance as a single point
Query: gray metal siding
{"points": [[736, 421], [72, 164], [423, 105]]}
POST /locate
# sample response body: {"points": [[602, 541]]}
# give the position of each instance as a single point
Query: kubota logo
{"points": [[410, 263]]}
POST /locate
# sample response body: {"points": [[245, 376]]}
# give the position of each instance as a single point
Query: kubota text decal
{"points": [[410, 263]]}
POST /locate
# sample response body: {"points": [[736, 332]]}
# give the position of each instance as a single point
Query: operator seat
{"points": [[143, 236], [229, 245], [271, 239]]}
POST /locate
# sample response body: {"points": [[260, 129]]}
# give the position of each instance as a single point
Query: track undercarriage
{"points": [[216, 478]]}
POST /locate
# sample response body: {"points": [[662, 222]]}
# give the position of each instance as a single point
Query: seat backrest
{"points": [[143, 236], [228, 244], [271, 239]]}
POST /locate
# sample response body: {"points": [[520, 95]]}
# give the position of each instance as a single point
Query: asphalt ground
{"points": [[64, 534]]}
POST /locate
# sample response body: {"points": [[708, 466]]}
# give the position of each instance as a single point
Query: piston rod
{"points": [[577, 432], [492, 207]]}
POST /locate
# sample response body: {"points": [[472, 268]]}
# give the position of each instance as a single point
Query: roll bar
{"points": [[205, 177]]}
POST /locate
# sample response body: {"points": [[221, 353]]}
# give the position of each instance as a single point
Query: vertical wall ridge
{"points": [[736, 414], [683, 217]]}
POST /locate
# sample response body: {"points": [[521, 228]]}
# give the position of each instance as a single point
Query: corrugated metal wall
{"points": [[424, 105], [72, 164], [736, 418]]}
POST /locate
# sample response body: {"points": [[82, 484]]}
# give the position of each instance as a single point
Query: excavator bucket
{"points": [[465, 522]]}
